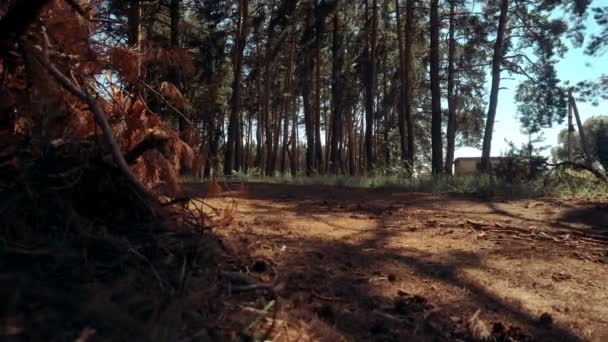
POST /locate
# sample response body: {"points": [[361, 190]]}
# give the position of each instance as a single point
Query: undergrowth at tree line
{"points": [[563, 183]]}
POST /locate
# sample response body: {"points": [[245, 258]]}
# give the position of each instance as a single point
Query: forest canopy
{"points": [[286, 87]]}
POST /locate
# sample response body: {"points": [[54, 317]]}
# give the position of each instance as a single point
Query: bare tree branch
{"points": [[578, 166], [153, 141], [162, 98]]}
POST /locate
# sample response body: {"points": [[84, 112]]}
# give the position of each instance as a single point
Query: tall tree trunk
{"points": [[213, 142], [135, 38], [209, 129], [267, 130], [496, 68], [238, 143], [410, 33], [284, 147], [309, 130], [134, 22], [336, 95], [174, 13], [175, 72], [287, 103], [260, 159], [276, 137], [352, 168], [295, 156], [319, 28], [402, 78], [234, 142], [386, 117], [245, 163], [215, 135], [307, 70], [362, 149], [436, 138], [326, 114], [451, 130], [370, 84], [248, 144]]}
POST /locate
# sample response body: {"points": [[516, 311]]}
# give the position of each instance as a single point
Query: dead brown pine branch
{"points": [[98, 112], [577, 166]]}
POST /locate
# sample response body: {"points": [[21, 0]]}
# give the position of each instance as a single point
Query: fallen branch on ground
{"points": [[577, 166], [557, 235]]}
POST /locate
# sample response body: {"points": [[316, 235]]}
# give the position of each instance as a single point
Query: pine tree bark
{"points": [[260, 158], [174, 72], [309, 130], [174, 13], [277, 123], [402, 78], [306, 79], [370, 85], [451, 130], [436, 115], [352, 145], [287, 103], [211, 141], [390, 96], [134, 22], [319, 30], [267, 130], [336, 94], [234, 146], [410, 33], [248, 144], [134, 39], [295, 156], [327, 120], [496, 68]]}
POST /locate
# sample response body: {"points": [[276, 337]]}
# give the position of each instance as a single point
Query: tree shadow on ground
{"points": [[365, 288], [350, 284], [589, 220], [347, 286], [595, 215]]}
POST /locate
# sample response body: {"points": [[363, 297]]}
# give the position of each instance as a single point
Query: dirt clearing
{"points": [[356, 264]]}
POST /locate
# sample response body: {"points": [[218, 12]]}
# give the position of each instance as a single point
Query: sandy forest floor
{"points": [[383, 265]]}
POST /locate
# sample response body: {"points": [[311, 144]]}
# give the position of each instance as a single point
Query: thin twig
{"points": [[180, 113], [329, 299], [265, 311], [156, 275]]}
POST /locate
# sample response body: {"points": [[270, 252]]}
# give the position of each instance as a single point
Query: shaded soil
{"points": [[382, 265], [86, 257]]}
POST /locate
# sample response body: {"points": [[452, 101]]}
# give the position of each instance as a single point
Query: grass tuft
{"points": [[563, 183]]}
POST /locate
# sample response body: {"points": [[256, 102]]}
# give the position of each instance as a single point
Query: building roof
{"points": [[478, 158]]}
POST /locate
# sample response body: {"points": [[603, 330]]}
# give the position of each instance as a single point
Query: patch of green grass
{"points": [[565, 183], [570, 183]]}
